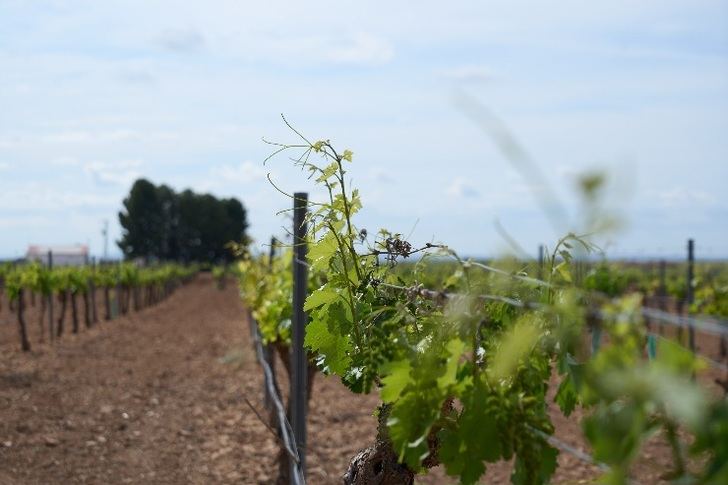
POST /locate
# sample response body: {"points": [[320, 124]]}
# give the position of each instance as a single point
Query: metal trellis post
{"points": [[50, 300], [689, 293], [268, 353], [299, 364]]}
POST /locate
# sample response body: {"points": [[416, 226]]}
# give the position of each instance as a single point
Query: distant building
{"points": [[76, 255]]}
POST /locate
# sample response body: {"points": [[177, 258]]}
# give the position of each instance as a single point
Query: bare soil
{"points": [[158, 397]]}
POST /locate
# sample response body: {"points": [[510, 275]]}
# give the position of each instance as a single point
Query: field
{"points": [[159, 397], [507, 370], [354, 245]]}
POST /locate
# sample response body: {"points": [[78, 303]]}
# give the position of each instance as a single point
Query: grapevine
{"points": [[463, 372], [131, 285]]}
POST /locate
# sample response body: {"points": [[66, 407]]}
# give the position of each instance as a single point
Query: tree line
{"points": [[159, 223]]}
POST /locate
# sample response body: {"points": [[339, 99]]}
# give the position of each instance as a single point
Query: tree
{"points": [[141, 222], [159, 223]]}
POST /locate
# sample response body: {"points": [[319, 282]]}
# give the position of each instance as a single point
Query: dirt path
{"points": [[156, 397]]}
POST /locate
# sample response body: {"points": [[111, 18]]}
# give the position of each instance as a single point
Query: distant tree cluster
{"points": [[159, 223]]}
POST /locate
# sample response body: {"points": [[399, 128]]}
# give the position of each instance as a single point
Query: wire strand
{"points": [[284, 426]]}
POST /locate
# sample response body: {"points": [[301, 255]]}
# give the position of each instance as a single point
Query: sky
{"points": [[430, 96]]}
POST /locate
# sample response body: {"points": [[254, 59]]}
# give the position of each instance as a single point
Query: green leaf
{"points": [[473, 440], [323, 296], [567, 396], [320, 253], [328, 172], [515, 346], [524, 472], [455, 350], [396, 381], [332, 346], [615, 432], [674, 357], [410, 422], [563, 269]]}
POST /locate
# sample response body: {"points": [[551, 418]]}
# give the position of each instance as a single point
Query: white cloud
{"points": [[344, 49], [46, 196], [471, 74], [381, 176], [362, 48], [681, 197], [121, 173], [71, 137], [460, 187], [25, 221], [243, 173], [181, 40], [66, 162], [137, 76], [85, 137], [77, 138]]}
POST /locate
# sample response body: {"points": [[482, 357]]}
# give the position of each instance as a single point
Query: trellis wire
{"points": [[713, 363], [713, 325], [284, 427], [676, 320], [566, 447]]}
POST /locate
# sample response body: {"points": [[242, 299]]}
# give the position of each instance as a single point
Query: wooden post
{"points": [[52, 334], [541, 251], [299, 360], [92, 288], [689, 291]]}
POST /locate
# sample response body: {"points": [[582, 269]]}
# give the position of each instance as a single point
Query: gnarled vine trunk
{"points": [[41, 319], [86, 310], [24, 342], [107, 303], [74, 312], [94, 316], [63, 297], [378, 464]]}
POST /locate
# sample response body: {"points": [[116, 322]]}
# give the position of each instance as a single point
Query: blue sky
{"points": [[94, 94]]}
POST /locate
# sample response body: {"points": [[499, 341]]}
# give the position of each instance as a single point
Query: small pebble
{"points": [[51, 441]]}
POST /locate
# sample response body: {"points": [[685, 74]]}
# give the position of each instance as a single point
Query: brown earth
{"points": [[159, 397]]}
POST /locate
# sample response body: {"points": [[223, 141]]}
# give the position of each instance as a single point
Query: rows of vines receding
{"points": [[463, 372], [121, 286]]}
